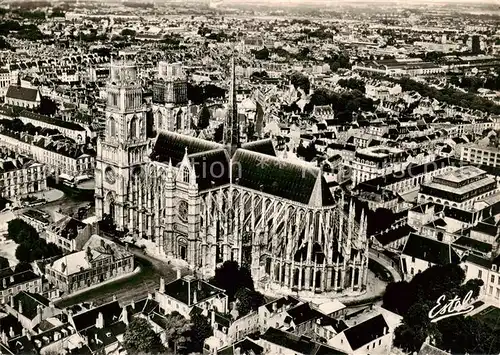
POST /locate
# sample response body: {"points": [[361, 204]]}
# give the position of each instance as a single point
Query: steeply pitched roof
{"points": [[428, 349], [30, 303], [170, 145], [211, 168], [245, 346], [21, 93], [184, 290], [299, 344], [278, 177], [264, 146], [430, 250], [110, 311], [394, 234], [365, 332]]}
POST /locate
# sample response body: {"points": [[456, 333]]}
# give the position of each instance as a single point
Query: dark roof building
{"points": [[278, 339], [366, 332]]}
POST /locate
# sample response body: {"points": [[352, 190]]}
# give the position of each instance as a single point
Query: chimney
{"points": [[195, 299], [275, 307], [132, 304], [385, 330], [179, 275], [212, 319], [125, 315], [99, 323], [20, 309], [150, 296], [11, 332], [114, 298], [236, 351], [162, 285]]}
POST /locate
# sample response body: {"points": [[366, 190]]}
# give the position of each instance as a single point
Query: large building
{"points": [[477, 154], [460, 188], [372, 162], [98, 261], [20, 175], [206, 202]]}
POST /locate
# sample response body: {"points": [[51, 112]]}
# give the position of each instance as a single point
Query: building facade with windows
{"points": [[20, 175], [100, 260], [11, 283], [480, 155], [372, 162], [460, 188], [23, 97], [486, 269]]}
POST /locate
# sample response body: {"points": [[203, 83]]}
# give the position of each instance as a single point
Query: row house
{"points": [[20, 175], [68, 233], [13, 282]]}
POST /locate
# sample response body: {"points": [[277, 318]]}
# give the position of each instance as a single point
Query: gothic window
{"points": [[112, 127], [141, 127], [114, 99], [185, 175], [133, 127], [179, 120], [159, 120]]}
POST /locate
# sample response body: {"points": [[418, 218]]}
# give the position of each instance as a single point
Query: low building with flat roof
{"points": [[460, 188]]}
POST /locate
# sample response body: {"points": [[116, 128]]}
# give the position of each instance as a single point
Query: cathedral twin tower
{"points": [[207, 202]]}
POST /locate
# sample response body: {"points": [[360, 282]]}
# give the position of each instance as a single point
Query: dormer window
{"points": [[185, 175]]}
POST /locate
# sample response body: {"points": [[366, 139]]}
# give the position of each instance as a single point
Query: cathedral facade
{"points": [[206, 202]]}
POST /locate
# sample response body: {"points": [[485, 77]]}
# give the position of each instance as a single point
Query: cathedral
{"points": [[208, 202]]}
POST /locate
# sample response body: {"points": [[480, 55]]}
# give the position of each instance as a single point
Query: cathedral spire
{"points": [[232, 127]]}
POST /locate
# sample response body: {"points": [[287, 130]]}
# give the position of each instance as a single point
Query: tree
{"points": [[230, 277], [200, 330], [177, 331], [23, 253], [48, 107], [15, 226], [139, 337], [468, 335], [23, 267], [4, 262], [262, 54], [204, 120], [299, 80], [128, 32], [414, 299], [248, 301], [397, 297], [353, 84]]}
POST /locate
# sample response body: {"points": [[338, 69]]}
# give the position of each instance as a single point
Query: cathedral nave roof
{"points": [[264, 146], [171, 145], [279, 177]]}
